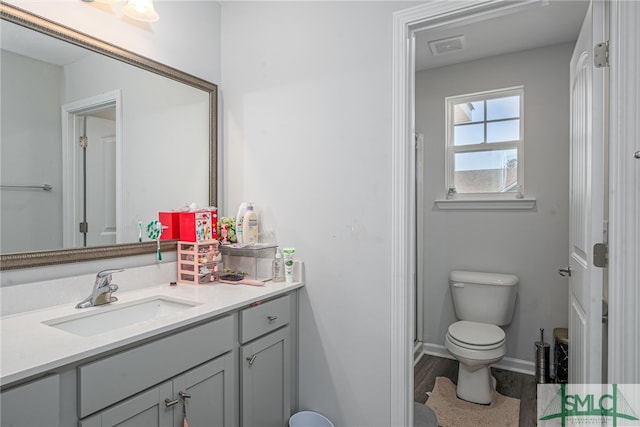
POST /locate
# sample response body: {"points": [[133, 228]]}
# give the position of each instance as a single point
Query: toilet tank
{"points": [[483, 297]]}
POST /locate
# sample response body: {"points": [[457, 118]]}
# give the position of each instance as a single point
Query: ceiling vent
{"points": [[448, 45]]}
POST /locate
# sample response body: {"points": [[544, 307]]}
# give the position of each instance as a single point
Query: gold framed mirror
{"points": [[128, 246]]}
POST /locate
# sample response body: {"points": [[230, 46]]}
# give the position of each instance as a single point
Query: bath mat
{"points": [[454, 412]]}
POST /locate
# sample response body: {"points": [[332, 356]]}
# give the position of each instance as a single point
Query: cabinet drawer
{"points": [[113, 378], [268, 316]]}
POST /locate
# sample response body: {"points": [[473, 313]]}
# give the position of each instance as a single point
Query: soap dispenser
{"points": [[277, 267]]}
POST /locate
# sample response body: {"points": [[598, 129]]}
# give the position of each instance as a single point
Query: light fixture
{"points": [[102, 1], [141, 10]]}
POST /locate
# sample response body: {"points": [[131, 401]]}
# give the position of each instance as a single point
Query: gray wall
{"points": [[31, 154], [532, 244]]}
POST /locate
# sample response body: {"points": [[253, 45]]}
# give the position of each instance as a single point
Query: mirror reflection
{"points": [[113, 144]]}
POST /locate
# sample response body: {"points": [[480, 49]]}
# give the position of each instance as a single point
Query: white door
{"points": [[587, 194], [100, 181]]}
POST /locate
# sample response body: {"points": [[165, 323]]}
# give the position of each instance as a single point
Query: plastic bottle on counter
{"points": [[250, 226], [277, 267], [239, 217]]}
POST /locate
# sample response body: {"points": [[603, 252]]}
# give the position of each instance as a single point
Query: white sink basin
{"points": [[109, 317]]}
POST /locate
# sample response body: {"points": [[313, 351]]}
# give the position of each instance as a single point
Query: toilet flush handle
{"points": [[458, 285]]}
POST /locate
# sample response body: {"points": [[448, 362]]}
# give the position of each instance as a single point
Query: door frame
{"points": [[624, 186], [420, 252], [624, 194], [71, 153]]}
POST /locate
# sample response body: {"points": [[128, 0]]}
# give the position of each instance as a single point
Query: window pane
{"points": [[468, 134], [503, 108], [468, 112], [492, 171], [508, 130]]}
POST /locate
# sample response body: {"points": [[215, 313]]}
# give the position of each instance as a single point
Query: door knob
{"points": [[565, 272]]}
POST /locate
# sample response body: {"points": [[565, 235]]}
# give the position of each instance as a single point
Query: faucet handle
{"points": [[104, 277], [109, 272]]}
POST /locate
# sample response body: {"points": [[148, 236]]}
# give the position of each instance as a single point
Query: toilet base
{"points": [[475, 385]]}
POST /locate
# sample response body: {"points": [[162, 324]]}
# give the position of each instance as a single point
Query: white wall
{"points": [[532, 244], [31, 96], [307, 133]]}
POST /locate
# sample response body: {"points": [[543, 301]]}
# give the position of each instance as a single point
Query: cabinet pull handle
{"points": [[169, 403], [272, 318], [184, 395], [251, 359]]}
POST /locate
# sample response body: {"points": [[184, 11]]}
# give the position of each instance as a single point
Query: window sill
{"points": [[484, 204]]}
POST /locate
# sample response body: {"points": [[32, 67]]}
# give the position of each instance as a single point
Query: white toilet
{"points": [[482, 302]]}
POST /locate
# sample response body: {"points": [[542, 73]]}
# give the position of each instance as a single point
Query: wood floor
{"points": [[512, 384]]}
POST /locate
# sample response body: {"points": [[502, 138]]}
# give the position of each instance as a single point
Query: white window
{"points": [[484, 144]]}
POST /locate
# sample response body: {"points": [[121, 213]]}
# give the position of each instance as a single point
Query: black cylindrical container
{"points": [[561, 354]]}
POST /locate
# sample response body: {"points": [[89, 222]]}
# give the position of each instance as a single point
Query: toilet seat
{"points": [[475, 335]]}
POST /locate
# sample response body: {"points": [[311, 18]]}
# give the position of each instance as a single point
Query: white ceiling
{"points": [[544, 23]]}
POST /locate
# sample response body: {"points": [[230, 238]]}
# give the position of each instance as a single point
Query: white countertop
{"points": [[30, 348]]}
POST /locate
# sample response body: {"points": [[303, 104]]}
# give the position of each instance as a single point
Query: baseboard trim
{"points": [[507, 363], [417, 352], [436, 350]]}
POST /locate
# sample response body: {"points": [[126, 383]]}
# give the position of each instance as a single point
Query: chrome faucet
{"points": [[102, 290]]}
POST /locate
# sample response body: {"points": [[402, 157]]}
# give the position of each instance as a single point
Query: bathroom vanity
{"points": [[225, 354]]}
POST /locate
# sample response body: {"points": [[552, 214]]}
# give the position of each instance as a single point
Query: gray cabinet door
{"points": [[146, 409], [35, 404], [265, 381], [211, 390]]}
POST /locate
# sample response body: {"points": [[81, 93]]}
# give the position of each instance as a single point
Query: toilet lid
{"points": [[476, 334]]}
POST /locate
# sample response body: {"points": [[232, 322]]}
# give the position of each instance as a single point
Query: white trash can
{"points": [[309, 419]]}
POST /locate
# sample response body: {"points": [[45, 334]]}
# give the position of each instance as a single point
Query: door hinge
{"points": [[601, 55], [600, 255], [84, 227], [84, 141], [418, 141]]}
